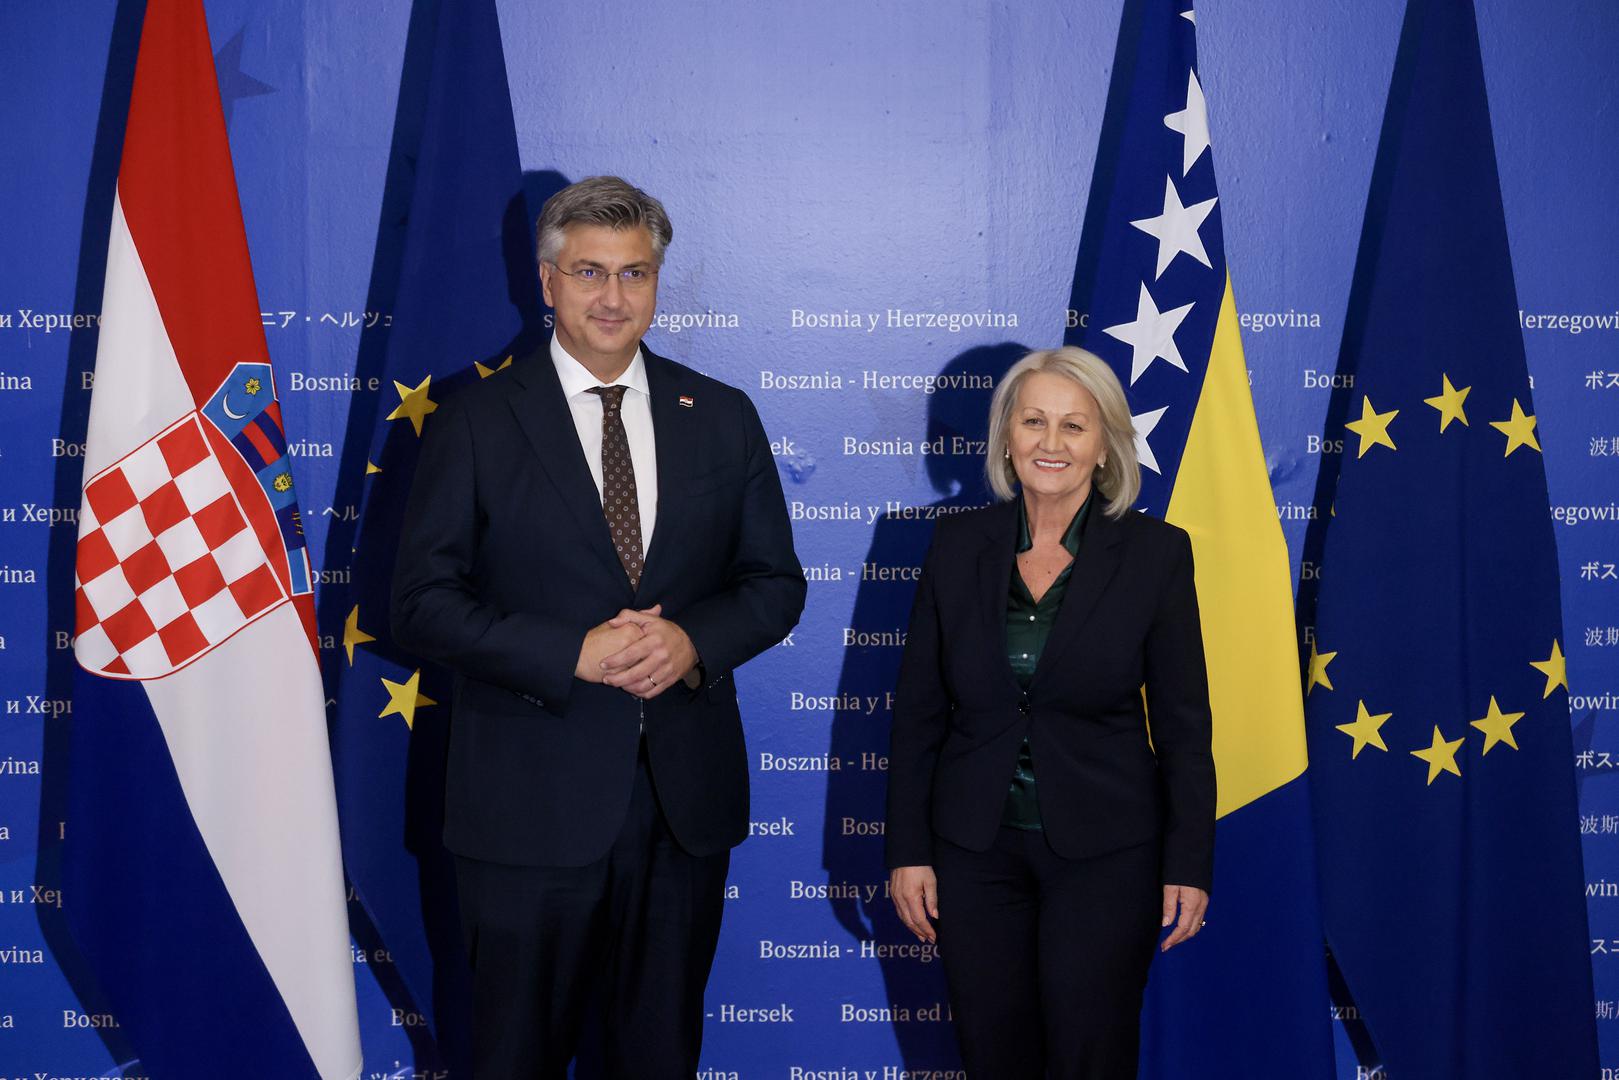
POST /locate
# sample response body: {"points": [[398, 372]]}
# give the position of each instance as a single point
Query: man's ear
{"points": [[546, 270]]}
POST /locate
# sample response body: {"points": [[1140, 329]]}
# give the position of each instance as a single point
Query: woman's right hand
{"points": [[915, 892]]}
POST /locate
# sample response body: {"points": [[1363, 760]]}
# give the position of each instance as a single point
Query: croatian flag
{"points": [[201, 875]]}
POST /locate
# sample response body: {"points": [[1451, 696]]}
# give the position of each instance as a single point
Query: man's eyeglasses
{"points": [[594, 278]]}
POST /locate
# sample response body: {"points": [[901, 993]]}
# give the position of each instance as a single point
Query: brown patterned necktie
{"points": [[620, 501]]}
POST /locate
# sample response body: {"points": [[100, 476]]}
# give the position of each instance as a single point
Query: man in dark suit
{"points": [[595, 541]]}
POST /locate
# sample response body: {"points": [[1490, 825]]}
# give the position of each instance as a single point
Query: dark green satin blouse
{"points": [[1028, 624]]}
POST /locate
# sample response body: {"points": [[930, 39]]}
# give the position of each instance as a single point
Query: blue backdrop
{"points": [[833, 170]]}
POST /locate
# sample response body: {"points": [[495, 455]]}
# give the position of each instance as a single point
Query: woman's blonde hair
{"points": [[1119, 481]]}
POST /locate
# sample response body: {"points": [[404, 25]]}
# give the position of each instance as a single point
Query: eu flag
{"points": [[1248, 996], [1441, 758], [454, 285]]}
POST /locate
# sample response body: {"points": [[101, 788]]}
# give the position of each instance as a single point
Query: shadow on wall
{"points": [[899, 543], [432, 899], [386, 920], [60, 616], [390, 781], [402, 886]]}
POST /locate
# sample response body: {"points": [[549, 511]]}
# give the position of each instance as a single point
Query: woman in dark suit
{"points": [[1036, 829]]}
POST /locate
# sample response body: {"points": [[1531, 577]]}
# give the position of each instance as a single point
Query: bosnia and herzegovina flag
{"points": [[462, 298], [201, 872], [1442, 771], [1247, 997]]}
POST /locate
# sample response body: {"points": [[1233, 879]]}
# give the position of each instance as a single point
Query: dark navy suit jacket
{"points": [[505, 562], [1129, 618]]}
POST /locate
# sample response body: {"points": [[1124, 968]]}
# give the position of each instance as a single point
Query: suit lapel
{"points": [[1098, 561], [543, 414], [995, 578]]}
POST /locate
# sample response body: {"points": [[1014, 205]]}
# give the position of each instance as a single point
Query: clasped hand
{"points": [[639, 652]]}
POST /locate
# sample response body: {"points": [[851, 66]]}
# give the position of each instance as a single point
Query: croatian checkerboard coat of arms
{"points": [[191, 536]]}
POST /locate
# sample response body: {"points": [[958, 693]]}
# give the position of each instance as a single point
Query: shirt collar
{"points": [[1070, 537], [576, 378]]}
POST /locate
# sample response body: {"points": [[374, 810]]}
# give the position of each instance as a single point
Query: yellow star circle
{"points": [[1449, 403], [352, 634], [484, 370], [1440, 755], [1555, 668], [1372, 427], [1365, 730], [1318, 670], [1519, 429], [405, 698], [1497, 726], [414, 404]]}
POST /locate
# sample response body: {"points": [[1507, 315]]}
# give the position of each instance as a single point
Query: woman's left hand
{"points": [[1192, 904]]}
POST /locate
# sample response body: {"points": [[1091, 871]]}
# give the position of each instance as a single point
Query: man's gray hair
{"points": [[601, 200], [1120, 481]]}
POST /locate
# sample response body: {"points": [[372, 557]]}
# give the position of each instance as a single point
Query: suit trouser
{"points": [[1046, 958], [625, 943]]}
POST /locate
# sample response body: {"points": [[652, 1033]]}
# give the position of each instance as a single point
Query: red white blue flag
{"points": [[202, 875]]}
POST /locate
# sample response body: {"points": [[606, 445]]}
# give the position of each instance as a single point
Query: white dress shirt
{"points": [[636, 412]]}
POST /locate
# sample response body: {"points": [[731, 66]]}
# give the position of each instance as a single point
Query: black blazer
{"points": [[1129, 617], [505, 562]]}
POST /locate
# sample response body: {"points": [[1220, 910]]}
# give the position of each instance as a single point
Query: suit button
{"points": [[1023, 707]]}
